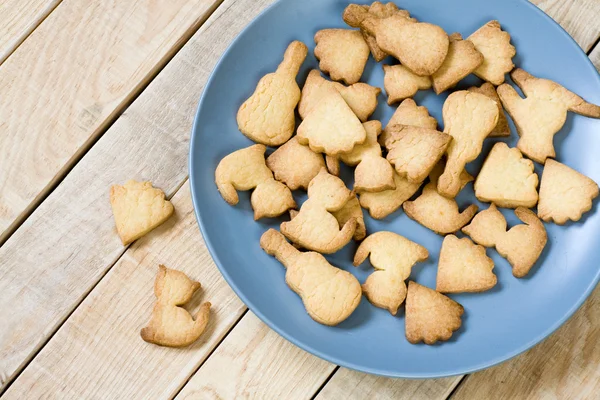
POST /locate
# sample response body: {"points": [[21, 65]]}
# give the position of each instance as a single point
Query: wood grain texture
{"points": [[255, 362], [578, 17], [19, 19], [98, 352], [66, 246], [595, 56], [70, 78], [347, 385]]}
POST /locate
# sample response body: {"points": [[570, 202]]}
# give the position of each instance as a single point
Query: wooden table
{"points": [[97, 92]]}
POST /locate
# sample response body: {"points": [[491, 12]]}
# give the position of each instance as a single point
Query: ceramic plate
{"points": [[498, 324]]}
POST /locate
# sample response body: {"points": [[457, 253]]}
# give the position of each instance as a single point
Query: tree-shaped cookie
{"points": [[507, 179], [462, 59], [401, 83], [521, 245], [342, 53], [329, 294], [373, 173], [267, 116], [464, 267], [172, 325], [430, 316], [414, 151], [246, 169], [409, 113], [502, 129], [393, 257], [437, 212], [361, 98], [543, 112], [315, 228], [295, 164], [331, 127], [138, 208], [469, 118], [565, 194], [494, 44]]}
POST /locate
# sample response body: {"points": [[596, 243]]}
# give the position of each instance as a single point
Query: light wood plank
{"points": [[595, 56], [57, 256], [69, 80], [19, 19], [98, 352], [347, 385], [578, 17], [255, 362]]}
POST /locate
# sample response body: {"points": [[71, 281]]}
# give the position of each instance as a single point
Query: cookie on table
{"points": [[331, 127], [342, 53], [565, 194], [352, 209], [361, 98], [461, 60], [521, 245], [268, 117], [469, 118], [330, 294], [315, 227], [464, 267], [414, 151], [246, 169], [543, 112], [172, 325], [502, 129], [494, 44], [409, 113], [430, 316], [401, 83], [295, 164], [138, 208], [381, 204], [507, 179], [393, 257]]}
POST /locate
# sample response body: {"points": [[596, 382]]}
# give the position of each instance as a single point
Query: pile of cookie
{"points": [[392, 164]]}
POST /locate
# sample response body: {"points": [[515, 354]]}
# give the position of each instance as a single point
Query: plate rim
{"points": [[306, 347]]}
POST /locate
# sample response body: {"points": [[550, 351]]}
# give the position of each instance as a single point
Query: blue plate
{"points": [[498, 324]]}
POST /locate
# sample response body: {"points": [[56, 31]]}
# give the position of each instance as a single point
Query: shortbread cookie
{"points": [[295, 164], [354, 14], [438, 170], [464, 267], [430, 316], [138, 208], [469, 118], [352, 209], [409, 113], [382, 204], [393, 257], [507, 179], [342, 53], [521, 245], [420, 46], [315, 228], [267, 117], [414, 151], [172, 325], [246, 169], [494, 44], [329, 294], [462, 59], [361, 98], [502, 129], [331, 127], [542, 113], [400, 83], [565, 194], [333, 165]]}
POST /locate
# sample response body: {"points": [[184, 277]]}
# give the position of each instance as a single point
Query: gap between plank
{"points": [[455, 388], [596, 43], [325, 382], [28, 33], [106, 124]]}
